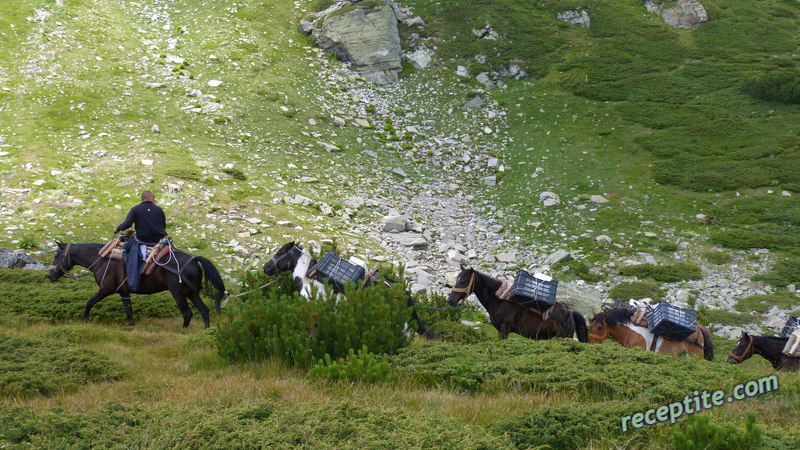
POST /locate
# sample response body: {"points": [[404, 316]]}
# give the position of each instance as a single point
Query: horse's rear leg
{"points": [[198, 303], [186, 312], [92, 301], [126, 303]]}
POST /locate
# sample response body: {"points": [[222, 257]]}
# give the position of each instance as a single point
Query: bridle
{"points": [[468, 289], [275, 259], [748, 352], [60, 266], [604, 336]]}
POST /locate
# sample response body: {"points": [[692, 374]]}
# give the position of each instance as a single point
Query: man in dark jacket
{"points": [[150, 225]]}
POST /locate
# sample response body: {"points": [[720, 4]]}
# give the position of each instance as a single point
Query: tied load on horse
{"points": [[528, 307], [169, 269], [783, 352], [335, 271], [664, 329]]}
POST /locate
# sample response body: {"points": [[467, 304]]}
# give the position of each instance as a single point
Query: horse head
{"points": [[62, 263], [284, 259], [465, 286], [743, 349], [599, 330]]}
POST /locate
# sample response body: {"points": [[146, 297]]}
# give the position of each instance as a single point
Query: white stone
{"points": [[598, 199], [214, 83], [603, 239], [147, 162], [462, 71]]}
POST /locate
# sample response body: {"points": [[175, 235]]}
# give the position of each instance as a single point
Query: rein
{"points": [[747, 350], [66, 256]]}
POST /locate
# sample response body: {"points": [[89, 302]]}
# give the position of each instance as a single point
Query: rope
{"points": [[250, 291], [438, 307]]}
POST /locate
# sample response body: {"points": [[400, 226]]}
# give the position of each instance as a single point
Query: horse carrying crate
{"points": [[338, 271], [618, 304], [791, 324], [537, 291], [671, 322]]}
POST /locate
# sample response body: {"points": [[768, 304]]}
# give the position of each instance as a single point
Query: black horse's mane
{"points": [[619, 316], [772, 344], [491, 283]]}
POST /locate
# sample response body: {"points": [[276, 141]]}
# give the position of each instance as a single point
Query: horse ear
{"points": [[461, 265], [593, 313], [60, 244]]}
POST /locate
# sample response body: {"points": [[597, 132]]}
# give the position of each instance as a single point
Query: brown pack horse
{"points": [[618, 323], [509, 317], [111, 279]]}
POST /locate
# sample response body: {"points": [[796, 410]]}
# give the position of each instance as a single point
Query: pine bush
{"points": [[363, 366]]}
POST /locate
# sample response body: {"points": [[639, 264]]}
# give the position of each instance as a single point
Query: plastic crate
{"points": [[531, 291], [337, 271], [671, 322], [791, 324]]}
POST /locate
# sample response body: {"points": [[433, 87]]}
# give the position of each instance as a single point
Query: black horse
{"points": [[287, 257], [110, 277], [769, 347], [509, 317]]}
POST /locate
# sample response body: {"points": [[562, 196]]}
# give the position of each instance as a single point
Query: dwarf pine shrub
{"points": [[363, 366], [699, 432], [276, 323]]}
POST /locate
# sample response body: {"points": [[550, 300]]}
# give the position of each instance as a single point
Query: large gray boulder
{"points": [[18, 260], [364, 34], [679, 14]]}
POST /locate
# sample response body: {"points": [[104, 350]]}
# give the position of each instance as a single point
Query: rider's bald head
{"points": [[148, 196]]}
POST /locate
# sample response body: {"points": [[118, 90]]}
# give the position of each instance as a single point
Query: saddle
{"points": [[113, 250]]}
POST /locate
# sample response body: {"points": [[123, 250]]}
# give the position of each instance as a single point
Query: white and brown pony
{"points": [[618, 323]]}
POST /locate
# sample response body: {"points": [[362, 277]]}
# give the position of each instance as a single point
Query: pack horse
{"points": [[183, 278]]}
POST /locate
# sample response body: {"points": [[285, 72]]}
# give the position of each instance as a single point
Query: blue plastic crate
{"points": [[791, 324], [530, 291], [337, 271], [671, 322]]}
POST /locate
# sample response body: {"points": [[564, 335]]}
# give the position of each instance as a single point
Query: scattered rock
{"points": [[557, 256], [400, 172], [486, 32], [506, 257], [575, 17], [476, 102], [155, 129], [603, 239], [147, 162], [420, 59], [598, 199], [285, 223], [702, 219], [680, 13], [214, 83], [396, 224], [363, 123], [490, 180], [306, 27], [329, 147], [549, 199], [462, 71], [786, 194]]}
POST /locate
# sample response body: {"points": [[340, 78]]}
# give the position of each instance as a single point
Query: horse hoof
{"points": [[85, 319], [130, 324]]}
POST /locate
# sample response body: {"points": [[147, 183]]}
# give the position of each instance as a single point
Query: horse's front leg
{"points": [[126, 303], [92, 301]]}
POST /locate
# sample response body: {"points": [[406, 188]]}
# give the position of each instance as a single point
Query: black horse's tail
{"points": [[580, 327], [423, 331], [708, 344], [212, 276]]}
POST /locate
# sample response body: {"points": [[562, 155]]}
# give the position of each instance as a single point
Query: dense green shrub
{"points": [[762, 303], [363, 366], [780, 86], [30, 366], [784, 273], [720, 316], [718, 258], [743, 239], [581, 270], [575, 425], [458, 332], [274, 425], [206, 338], [276, 323], [664, 272], [595, 372], [636, 290], [28, 292], [432, 308], [698, 432]]}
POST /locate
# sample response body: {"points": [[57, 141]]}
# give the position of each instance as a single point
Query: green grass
{"points": [[719, 316], [636, 290], [664, 272], [762, 303]]}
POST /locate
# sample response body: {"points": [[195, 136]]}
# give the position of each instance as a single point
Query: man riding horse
{"points": [[150, 225]]}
